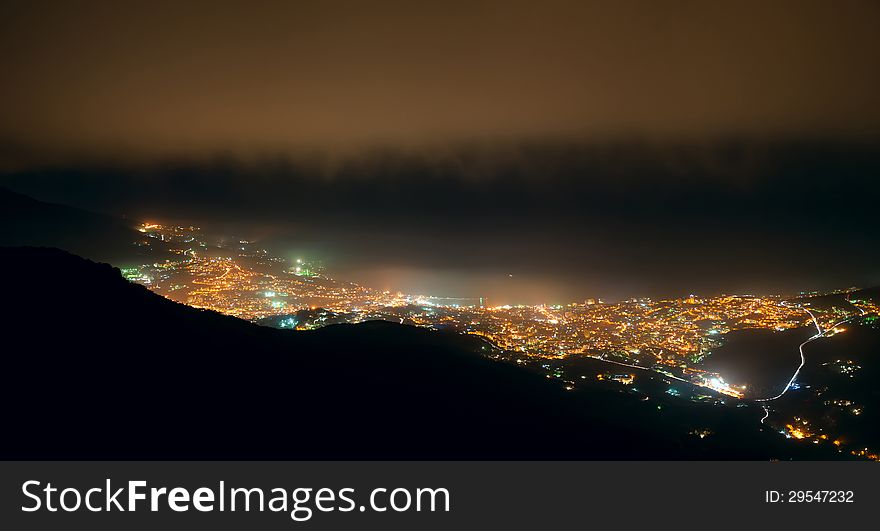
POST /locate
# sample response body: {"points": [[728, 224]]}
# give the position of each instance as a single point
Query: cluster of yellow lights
{"points": [[670, 335]]}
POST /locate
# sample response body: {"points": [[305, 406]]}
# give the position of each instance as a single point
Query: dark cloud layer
{"points": [[144, 79], [568, 222]]}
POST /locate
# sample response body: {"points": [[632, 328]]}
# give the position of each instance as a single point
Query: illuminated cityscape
{"points": [[634, 339]]}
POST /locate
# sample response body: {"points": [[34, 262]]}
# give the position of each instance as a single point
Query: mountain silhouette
{"points": [[96, 367], [27, 221]]}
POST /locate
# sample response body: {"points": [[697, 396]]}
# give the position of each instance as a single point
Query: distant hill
{"points": [[26, 221], [872, 294], [97, 367], [839, 300]]}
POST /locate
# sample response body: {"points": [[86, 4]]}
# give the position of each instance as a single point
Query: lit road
{"points": [[819, 333], [647, 369], [797, 371]]}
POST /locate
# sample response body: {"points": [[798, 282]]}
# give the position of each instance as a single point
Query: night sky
{"points": [[588, 149]]}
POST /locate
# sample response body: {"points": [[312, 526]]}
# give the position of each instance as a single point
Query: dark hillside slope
{"points": [[26, 221], [97, 367]]}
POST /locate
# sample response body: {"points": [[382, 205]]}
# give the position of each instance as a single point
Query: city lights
{"points": [[668, 338]]}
